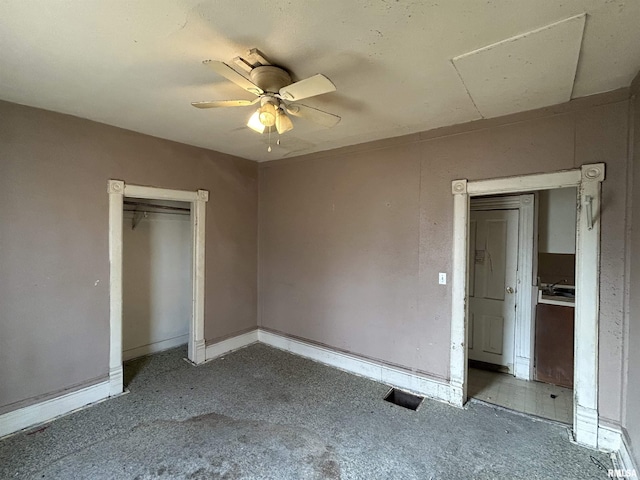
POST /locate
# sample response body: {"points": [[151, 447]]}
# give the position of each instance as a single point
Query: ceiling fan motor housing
{"points": [[269, 78]]}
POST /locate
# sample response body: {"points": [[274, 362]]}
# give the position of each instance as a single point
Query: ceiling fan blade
{"points": [[325, 119], [309, 87], [224, 103], [229, 73]]}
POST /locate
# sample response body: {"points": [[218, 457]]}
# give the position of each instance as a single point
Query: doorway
{"points": [[501, 269], [504, 291], [588, 181], [118, 190]]}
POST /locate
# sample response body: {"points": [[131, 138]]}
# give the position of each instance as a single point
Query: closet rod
{"points": [[161, 207], [144, 211]]}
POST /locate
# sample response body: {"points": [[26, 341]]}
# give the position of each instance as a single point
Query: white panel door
{"points": [[493, 263]]}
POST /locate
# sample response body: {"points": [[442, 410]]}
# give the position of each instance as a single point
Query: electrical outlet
{"points": [[442, 278]]}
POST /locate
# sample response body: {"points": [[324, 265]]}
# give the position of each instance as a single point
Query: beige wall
{"points": [[632, 399], [54, 265], [352, 240]]}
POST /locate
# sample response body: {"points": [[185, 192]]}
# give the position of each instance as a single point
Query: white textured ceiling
{"points": [[528, 71], [137, 65]]}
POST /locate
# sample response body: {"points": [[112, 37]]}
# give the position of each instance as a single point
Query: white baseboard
{"points": [[48, 410], [154, 347], [116, 381], [625, 459], [609, 439], [522, 368], [366, 368], [16, 420], [218, 349], [613, 440], [586, 426]]}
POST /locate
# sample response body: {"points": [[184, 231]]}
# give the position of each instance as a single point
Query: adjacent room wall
{"points": [[557, 221], [156, 280], [632, 390], [54, 285], [352, 240]]}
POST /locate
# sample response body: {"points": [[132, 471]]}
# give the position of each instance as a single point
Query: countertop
{"points": [[557, 299]]}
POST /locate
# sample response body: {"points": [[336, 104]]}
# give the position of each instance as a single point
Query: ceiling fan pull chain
{"points": [[269, 149]]}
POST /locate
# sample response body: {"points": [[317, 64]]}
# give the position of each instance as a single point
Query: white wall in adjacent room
{"points": [[557, 221], [156, 282]]}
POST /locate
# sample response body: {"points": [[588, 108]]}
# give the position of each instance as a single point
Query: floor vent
{"points": [[404, 399]]}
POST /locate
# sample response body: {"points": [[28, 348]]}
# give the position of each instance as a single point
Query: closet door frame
{"points": [[117, 190]]}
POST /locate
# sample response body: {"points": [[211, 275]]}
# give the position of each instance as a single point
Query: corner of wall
{"points": [[634, 88], [629, 454], [258, 248], [626, 457]]}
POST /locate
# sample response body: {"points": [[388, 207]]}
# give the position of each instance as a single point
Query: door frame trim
{"points": [[588, 180], [525, 288], [117, 190]]}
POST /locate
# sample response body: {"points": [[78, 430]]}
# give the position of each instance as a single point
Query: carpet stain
{"points": [[328, 467]]}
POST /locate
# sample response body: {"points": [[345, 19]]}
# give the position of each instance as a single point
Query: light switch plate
{"points": [[442, 278]]}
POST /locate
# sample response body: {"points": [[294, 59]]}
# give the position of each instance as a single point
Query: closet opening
{"points": [[156, 276], [146, 225]]}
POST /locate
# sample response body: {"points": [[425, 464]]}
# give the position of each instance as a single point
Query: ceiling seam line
{"points": [[466, 89]]}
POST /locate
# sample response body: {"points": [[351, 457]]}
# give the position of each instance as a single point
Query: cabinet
{"points": [[553, 351]]}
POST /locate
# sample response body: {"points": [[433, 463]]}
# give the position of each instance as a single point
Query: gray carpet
{"points": [[265, 414]]}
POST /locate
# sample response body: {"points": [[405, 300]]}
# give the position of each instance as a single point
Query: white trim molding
{"points": [[196, 345], [379, 372], [459, 286], [585, 385], [117, 190], [49, 410], [523, 362], [229, 345], [588, 180]]}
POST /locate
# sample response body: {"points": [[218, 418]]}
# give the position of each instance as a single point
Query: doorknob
{"points": [[509, 289]]}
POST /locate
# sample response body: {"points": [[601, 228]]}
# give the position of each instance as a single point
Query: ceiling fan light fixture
{"points": [[267, 114], [254, 122], [271, 85], [283, 122]]}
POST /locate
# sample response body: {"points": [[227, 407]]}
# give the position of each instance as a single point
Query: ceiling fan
{"points": [[275, 93]]}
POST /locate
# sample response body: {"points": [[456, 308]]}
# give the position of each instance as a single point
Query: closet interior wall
{"points": [[156, 276]]}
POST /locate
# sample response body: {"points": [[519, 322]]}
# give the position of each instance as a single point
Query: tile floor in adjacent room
{"points": [[530, 397]]}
